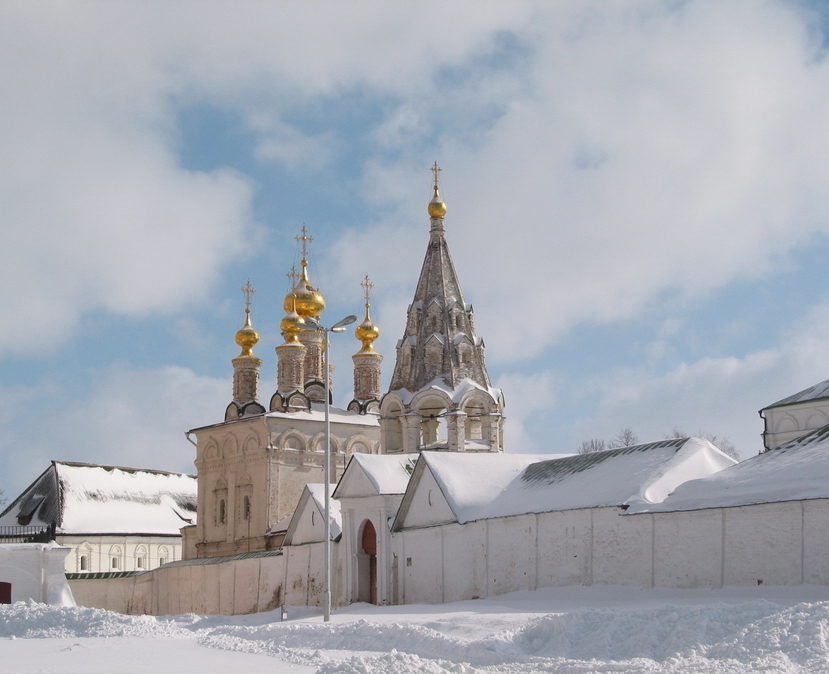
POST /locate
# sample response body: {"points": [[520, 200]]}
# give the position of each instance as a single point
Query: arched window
{"points": [[221, 515], [115, 558], [141, 557], [432, 422], [246, 507], [163, 555]]}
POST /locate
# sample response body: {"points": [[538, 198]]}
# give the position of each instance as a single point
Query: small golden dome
{"points": [[291, 326], [437, 208], [304, 299], [247, 337], [367, 332]]}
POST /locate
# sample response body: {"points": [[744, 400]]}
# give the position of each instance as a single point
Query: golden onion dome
{"points": [[437, 208], [291, 326], [247, 337], [304, 299], [367, 332]]}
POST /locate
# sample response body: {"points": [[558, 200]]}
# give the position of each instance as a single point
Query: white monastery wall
{"points": [[564, 548], [35, 571], [763, 544], [688, 549], [464, 561], [422, 568], [816, 542], [512, 554], [776, 544], [234, 587], [621, 548]]}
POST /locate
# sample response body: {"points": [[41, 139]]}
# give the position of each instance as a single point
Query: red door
{"points": [[5, 593], [370, 548]]}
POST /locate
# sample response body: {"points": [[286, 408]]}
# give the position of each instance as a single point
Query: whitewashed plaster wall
{"points": [[100, 550], [233, 587], [791, 421], [775, 544], [35, 571]]}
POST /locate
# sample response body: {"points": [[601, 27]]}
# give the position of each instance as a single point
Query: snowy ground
{"points": [[567, 630]]}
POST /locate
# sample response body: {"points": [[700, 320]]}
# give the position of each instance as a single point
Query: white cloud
{"points": [[527, 397], [132, 417], [650, 148], [715, 395]]}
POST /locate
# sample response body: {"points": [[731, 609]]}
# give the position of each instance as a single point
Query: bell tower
{"points": [[441, 396]]}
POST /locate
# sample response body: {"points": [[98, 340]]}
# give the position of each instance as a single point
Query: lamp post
{"points": [[311, 324]]}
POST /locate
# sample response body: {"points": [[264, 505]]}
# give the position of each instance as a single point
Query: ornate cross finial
{"points": [[293, 275], [435, 171], [367, 286], [248, 290], [305, 239]]}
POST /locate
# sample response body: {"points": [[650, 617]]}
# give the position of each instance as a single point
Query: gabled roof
{"points": [[82, 498], [817, 392], [383, 473], [313, 497], [795, 471], [483, 486]]}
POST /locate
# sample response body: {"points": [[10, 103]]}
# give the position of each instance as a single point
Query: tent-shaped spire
{"points": [[440, 341]]}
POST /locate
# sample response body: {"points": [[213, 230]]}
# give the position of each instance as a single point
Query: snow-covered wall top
{"points": [[816, 392], [482, 486], [795, 471], [90, 499]]}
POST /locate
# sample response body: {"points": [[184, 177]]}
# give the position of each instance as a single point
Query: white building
{"points": [[796, 415], [113, 519]]}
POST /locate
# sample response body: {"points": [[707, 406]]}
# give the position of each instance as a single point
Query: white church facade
{"points": [[429, 507]]}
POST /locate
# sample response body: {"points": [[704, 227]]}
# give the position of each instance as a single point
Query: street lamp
{"points": [[311, 324]]}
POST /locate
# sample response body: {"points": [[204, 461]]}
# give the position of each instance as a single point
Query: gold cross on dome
{"points": [[367, 286], [435, 171], [304, 239], [248, 290], [293, 275]]}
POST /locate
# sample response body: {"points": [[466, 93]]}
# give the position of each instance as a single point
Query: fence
{"points": [[40, 534]]}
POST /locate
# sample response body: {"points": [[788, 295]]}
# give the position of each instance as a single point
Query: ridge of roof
{"points": [[819, 391]]}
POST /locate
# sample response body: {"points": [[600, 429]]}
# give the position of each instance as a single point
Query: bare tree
{"points": [[590, 446], [624, 438], [722, 443]]}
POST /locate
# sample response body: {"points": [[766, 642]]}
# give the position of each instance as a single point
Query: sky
{"points": [[637, 207]]}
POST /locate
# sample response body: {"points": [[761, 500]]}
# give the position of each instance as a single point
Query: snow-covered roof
{"points": [[792, 472], [482, 486], [82, 498], [388, 473], [816, 392], [337, 415], [455, 394]]}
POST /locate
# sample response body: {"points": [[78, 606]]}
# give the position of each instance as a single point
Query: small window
{"points": [[115, 564], [222, 511], [139, 562], [162, 560], [84, 563], [246, 508]]}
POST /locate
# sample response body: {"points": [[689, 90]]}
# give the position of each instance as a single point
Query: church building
{"points": [[252, 467]]}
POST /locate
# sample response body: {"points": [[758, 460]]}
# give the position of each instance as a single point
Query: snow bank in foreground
{"points": [[719, 638]]}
